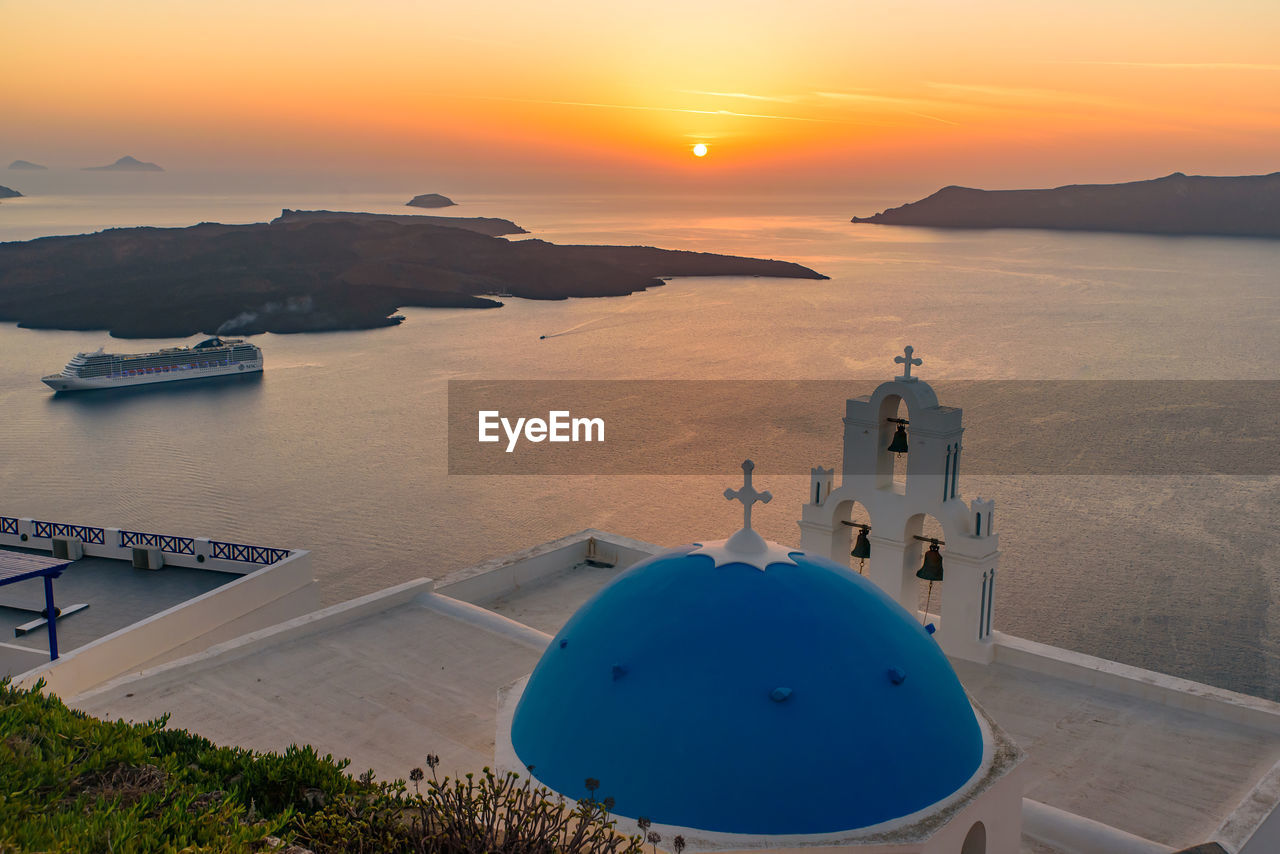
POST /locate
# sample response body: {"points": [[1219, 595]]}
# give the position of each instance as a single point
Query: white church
{"points": [[741, 694]]}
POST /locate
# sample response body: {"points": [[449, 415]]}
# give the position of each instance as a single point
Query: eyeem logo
{"points": [[559, 426]]}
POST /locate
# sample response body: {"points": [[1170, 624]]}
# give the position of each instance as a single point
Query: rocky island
{"points": [[491, 226], [8, 193], [28, 166], [1244, 206], [430, 200], [314, 271], [125, 164]]}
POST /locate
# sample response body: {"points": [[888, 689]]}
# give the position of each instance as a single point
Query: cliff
{"points": [[7, 193], [314, 272], [27, 165], [1247, 206]]}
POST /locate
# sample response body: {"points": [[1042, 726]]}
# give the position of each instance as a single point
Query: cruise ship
{"points": [[213, 357]]}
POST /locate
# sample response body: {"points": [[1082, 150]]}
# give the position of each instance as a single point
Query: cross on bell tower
{"points": [[906, 361]]}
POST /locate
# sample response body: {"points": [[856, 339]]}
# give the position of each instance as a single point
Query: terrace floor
{"points": [[384, 691], [1161, 773], [387, 689]]}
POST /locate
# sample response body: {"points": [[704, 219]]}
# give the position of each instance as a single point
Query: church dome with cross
{"points": [[740, 687]]}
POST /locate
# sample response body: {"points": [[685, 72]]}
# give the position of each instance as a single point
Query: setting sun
{"points": [[700, 150]]}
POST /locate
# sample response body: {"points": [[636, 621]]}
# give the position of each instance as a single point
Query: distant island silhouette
{"points": [[480, 224], [27, 165], [315, 270], [430, 200], [125, 164], [9, 193], [1244, 206]]}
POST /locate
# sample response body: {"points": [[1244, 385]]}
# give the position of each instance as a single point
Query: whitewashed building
{"points": [[748, 695]]}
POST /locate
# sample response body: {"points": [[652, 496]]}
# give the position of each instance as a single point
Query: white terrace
{"points": [[1156, 762]]}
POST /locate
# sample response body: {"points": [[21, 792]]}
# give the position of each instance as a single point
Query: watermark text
{"points": [[558, 426]]}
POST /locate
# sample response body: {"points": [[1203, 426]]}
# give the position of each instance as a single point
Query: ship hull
{"points": [[61, 382]]}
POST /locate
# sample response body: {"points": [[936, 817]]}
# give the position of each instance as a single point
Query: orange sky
{"points": [[815, 94]]}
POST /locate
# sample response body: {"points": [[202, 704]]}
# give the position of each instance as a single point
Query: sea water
{"points": [[340, 446]]}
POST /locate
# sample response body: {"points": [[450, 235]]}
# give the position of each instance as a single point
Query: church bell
{"points": [[899, 443], [862, 546], [931, 569]]}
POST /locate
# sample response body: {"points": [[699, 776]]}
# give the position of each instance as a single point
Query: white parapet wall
{"points": [[1217, 703], [1069, 833], [486, 581], [1254, 825], [258, 641], [272, 593], [264, 595]]}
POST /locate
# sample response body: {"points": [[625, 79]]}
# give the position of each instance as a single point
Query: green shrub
{"points": [[72, 783], [462, 816]]}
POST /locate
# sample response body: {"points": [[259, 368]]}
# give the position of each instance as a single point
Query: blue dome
{"points": [[800, 699]]}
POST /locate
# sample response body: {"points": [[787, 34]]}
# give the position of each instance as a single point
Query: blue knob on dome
{"points": [[896, 676], [779, 694]]}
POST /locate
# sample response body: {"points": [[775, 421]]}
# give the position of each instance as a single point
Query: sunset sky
{"points": [[805, 94]]}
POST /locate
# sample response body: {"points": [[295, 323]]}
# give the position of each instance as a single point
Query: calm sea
{"points": [[340, 447]]}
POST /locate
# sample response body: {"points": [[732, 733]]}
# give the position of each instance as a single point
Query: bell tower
{"points": [[903, 416]]}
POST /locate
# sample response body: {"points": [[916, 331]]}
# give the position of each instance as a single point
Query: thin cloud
{"points": [[871, 97], [652, 109], [485, 42], [1001, 91], [781, 99], [1025, 93], [907, 106], [902, 103], [1230, 66], [933, 118], [1064, 104]]}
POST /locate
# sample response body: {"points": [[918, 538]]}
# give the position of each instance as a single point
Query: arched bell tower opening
{"points": [[854, 521], [918, 531], [906, 495], [891, 467]]}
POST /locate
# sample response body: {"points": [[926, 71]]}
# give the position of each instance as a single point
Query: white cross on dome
{"points": [[746, 546], [748, 494]]}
